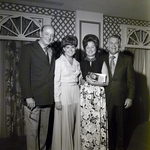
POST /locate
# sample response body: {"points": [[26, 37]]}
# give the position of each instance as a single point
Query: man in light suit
{"points": [[119, 92], [36, 75]]}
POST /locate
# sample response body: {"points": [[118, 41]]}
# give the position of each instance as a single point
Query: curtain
{"points": [[14, 104], [11, 108], [141, 65], [141, 103], [2, 92]]}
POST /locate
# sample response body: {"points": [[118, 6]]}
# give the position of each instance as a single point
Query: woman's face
{"points": [[69, 50], [90, 49]]}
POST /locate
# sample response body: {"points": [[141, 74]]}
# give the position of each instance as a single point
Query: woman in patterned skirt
{"points": [[94, 132]]}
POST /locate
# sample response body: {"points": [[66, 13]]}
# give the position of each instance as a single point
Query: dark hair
{"points": [[69, 40], [89, 38]]}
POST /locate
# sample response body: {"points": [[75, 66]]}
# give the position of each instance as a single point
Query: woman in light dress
{"points": [[66, 131], [94, 132]]}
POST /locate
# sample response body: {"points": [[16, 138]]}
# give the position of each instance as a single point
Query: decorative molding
{"points": [[96, 26], [111, 26], [63, 21], [135, 36], [23, 27]]}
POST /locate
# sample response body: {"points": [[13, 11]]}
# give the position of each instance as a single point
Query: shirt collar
{"points": [[116, 55]]}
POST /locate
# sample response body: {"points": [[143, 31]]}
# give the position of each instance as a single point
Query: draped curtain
{"points": [[2, 92], [12, 116], [14, 105], [140, 110], [141, 65]]}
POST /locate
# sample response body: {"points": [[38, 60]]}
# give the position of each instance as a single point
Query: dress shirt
{"points": [[115, 59], [48, 51]]}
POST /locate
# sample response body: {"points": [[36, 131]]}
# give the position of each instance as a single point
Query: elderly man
{"points": [[119, 92]]}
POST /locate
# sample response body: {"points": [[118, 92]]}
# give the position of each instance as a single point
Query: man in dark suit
{"points": [[36, 75], [119, 92]]}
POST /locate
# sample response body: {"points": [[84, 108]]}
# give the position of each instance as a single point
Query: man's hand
{"points": [[128, 103], [58, 105], [30, 103]]}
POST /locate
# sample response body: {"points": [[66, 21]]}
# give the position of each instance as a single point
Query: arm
{"points": [[104, 71], [130, 84], [24, 77], [57, 85]]}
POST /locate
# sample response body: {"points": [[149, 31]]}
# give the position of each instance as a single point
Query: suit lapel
{"points": [[52, 61], [40, 52], [118, 64], [106, 59]]}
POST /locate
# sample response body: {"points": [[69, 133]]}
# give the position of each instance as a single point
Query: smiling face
{"points": [[69, 50], [47, 35], [113, 45], [90, 49]]}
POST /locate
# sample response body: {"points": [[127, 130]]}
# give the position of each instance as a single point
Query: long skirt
{"points": [[66, 130], [94, 125]]}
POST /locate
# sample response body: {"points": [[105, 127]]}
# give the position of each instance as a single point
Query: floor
{"points": [[138, 138]]}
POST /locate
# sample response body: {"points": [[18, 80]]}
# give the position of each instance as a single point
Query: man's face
{"points": [[113, 45], [47, 35]]}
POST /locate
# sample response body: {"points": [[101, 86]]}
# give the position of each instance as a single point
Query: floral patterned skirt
{"points": [[94, 131]]}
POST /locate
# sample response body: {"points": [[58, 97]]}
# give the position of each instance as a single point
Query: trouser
{"points": [[36, 127], [116, 126]]}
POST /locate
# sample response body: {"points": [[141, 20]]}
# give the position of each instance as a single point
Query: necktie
{"points": [[112, 65], [46, 53]]}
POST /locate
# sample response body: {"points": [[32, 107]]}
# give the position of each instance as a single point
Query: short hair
{"points": [[115, 36], [89, 38], [42, 28], [69, 40]]}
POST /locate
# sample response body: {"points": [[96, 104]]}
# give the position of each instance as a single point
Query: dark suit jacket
{"points": [[36, 75], [122, 84]]}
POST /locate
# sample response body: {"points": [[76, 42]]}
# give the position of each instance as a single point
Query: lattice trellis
{"points": [[62, 20], [63, 26], [111, 26]]}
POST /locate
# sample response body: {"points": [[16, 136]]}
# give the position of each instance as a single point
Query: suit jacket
{"points": [[122, 84], [36, 75]]}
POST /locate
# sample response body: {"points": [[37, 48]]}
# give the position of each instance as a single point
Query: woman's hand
{"points": [[94, 82], [58, 105], [82, 81], [89, 80]]}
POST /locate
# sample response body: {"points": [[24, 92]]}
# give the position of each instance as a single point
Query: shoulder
{"points": [[30, 46], [61, 59], [125, 56], [83, 62], [103, 57], [77, 62]]}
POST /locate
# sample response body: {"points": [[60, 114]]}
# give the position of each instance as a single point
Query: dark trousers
{"points": [[116, 126]]}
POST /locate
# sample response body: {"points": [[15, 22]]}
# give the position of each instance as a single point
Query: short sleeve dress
{"points": [[94, 131]]}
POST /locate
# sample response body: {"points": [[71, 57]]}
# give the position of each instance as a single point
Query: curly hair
{"points": [[69, 40], [89, 38]]}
